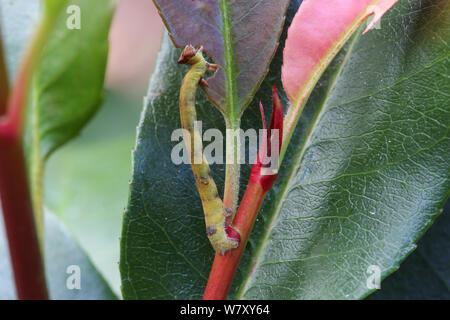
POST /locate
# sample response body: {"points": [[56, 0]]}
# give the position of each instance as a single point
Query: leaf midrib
{"points": [[229, 64]]}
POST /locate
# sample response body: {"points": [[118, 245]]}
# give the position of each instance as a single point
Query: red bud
{"points": [[260, 172]]}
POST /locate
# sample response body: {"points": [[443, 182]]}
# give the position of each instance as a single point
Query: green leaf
{"points": [[61, 251], [67, 86], [68, 83], [86, 182], [240, 36], [364, 176]]}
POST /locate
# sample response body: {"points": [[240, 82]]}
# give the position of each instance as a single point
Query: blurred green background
{"points": [[86, 181]]}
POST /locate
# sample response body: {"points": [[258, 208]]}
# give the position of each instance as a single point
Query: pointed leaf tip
{"points": [[276, 121], [378, 9], [263, 118]]}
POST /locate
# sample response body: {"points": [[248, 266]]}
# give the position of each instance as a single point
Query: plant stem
{"points": [[232, 168], [20, 222], [24, 246], [20, 228]]}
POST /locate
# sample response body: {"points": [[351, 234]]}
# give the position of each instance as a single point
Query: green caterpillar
{"points": [[220, 234]]}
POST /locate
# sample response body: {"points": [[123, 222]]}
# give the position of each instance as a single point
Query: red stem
{"points": [[23, 242], [24, 247]]}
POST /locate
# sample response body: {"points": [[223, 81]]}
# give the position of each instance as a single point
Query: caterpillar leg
{"points": [[225, 237], [228, 212], [220, 240], [204, 82], [211, 67]]}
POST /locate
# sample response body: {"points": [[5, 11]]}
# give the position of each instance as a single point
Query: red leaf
{"points": [[263, 171], [318, 31]]}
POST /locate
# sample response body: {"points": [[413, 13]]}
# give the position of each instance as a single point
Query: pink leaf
{"points": [[319, 30]]}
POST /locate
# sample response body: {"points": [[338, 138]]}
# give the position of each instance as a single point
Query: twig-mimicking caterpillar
{"points": [[221, 235]]}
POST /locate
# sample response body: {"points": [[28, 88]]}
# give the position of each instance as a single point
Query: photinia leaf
{"points": [[67, 85], [241, 36], [364, 176], [319, 30], [72, 66]]}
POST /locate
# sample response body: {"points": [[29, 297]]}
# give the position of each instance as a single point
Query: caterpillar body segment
{"points": [[215, 212]]}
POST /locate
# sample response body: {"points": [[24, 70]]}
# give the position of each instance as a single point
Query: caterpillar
{"points": [[221, 235]]}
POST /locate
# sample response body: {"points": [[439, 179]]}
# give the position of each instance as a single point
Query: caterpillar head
{"points": [[188, 53]]}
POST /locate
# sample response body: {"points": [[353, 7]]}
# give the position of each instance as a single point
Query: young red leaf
{"points": [[262, 171], [317, 33]]}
